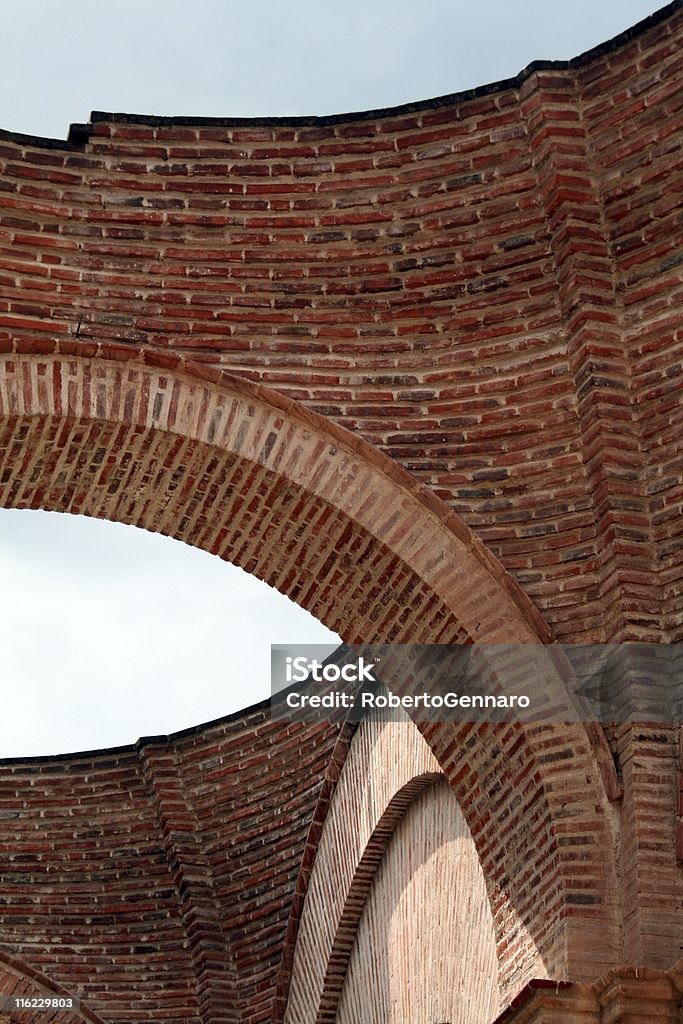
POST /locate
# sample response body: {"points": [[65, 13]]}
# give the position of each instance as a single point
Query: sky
{"points": [[60, 59], [110, 633]]}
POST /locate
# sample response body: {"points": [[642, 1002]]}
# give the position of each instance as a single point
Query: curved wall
{"points": [[149, 881], [487, 289]]}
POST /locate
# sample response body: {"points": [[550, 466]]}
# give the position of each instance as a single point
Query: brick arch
{"points": [[318, 513], [385, 766], [415, 954], [389, 767], [127, 439], [361, 884], [18, 978]]}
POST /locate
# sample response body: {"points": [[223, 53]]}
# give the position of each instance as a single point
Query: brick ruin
{"points": [[420, 370]]}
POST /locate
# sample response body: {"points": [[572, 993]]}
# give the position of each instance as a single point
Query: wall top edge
{"points": [[79, 134]]}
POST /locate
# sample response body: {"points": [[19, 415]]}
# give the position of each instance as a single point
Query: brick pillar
{"points": [[652, 889], [628, 995], [569, 187], [631, 995], [630, 602]]}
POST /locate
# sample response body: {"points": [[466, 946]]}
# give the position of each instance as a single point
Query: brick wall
{"points": [[419, 369], [147, 881]]}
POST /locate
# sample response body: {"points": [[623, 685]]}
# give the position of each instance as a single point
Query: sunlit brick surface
{"points": [[425, 945]]}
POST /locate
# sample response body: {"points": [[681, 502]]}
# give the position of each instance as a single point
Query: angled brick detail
{"points": [[204, 927], [617, 555]]}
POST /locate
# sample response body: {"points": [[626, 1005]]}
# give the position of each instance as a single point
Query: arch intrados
{"points": [[359, 889], [380, 769]]}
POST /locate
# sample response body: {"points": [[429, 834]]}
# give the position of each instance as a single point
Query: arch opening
{"points": [[111, 633]]}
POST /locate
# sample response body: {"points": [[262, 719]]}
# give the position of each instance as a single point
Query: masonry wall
{"points": [[148, 881], [486, 288]]}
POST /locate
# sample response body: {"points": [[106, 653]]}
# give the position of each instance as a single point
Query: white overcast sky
{"points": [[109, 633]]}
